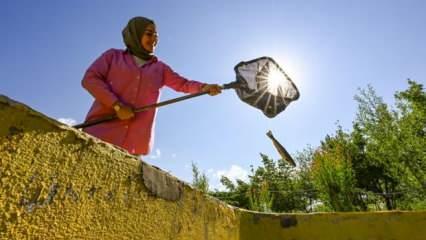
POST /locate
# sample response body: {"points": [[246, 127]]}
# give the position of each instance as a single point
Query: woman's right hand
{"points": [[212, 89], [123, 111]]}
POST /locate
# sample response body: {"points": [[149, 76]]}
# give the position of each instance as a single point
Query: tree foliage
{"points": [[379, 164], [199, 180]]}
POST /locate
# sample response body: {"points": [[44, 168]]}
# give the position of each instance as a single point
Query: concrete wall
{"points": [[57, 182], [334, 226]]}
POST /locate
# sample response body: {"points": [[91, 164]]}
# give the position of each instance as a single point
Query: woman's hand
{"points": [[212, 89], [123, 111]]}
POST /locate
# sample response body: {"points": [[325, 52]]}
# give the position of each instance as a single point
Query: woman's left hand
{"points": [[212, 89]]}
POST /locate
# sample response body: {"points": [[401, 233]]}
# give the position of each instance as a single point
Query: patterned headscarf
{"points": [[132, 34]]}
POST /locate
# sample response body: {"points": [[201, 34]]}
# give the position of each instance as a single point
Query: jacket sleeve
{"points": [[179, 83], [95, 80]]}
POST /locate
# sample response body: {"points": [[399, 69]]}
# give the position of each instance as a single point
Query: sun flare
{"points": [[275, 81]]}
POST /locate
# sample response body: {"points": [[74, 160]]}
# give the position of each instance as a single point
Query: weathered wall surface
{"points": [[58, 183], [334, 226]]}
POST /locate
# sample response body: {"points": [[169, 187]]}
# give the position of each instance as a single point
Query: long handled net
{"points": [[260, 82]]}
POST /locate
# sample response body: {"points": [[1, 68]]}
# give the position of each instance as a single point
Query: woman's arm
{"points": [[95, 80], [179, 83]]}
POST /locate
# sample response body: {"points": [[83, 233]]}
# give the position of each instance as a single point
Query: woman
{"points": [[122, 80]]}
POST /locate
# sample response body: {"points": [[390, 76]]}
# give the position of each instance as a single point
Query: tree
{"points": [[235, 194], [378, 127], [391, 143], [411, 120], [380, 163], [260, 198], [283, 182], [333, 174], [273, 186], [199, 180]]}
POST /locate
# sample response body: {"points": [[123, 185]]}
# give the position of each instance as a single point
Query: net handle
{"points": [[230, 85]]}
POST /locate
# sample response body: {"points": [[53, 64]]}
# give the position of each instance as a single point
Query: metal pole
{"points": [[155, 105]]}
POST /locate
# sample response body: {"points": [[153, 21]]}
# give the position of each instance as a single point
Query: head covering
{"points": [[132, 34]]}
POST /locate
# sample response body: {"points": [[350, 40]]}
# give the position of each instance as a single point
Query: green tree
{"points": [[273, 186], [380, 163], [391, 143], [411, 120], [235, 194], [333, 174], [199, 180], [377, 125], [412, 123], [260, 198], [283, 182], [304, 185]]}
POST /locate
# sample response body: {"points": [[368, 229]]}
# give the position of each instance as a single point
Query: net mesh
{"points": [[266, 86]]}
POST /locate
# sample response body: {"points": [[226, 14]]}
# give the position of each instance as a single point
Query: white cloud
{"points": [[233, 173], [67, 121]]}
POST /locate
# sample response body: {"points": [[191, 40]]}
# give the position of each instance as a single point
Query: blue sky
{"points": [[329, 48]]}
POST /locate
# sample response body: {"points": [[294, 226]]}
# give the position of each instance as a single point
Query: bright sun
{"points": [[275, 81]]}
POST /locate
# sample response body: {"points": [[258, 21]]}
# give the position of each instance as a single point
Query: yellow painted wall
{"points": [[334, 226], [58, 183]]}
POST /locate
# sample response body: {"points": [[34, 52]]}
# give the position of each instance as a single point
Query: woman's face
{"points": [[149, 38]]}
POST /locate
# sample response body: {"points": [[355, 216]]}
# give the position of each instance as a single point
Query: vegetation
{"points": [[200, 180], [378, 165]]}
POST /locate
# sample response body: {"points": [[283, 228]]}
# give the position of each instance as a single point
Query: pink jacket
{"points": [[115, 76]]}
